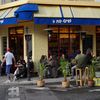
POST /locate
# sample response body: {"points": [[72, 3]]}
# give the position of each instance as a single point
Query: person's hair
{"points": [[88, 52], [42, 58]]}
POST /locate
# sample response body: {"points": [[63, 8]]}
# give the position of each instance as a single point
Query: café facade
{"points": [[54, 27]]}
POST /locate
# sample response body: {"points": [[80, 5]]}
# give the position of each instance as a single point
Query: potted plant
{"points": [[94, 68], [92, 72], [64, 68], [97, 68], [41, 81]]}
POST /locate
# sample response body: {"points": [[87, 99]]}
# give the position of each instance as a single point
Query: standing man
{"points": [[9, 59]]}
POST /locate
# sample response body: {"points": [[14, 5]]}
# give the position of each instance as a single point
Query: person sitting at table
{"points": [[21, 70], [80, 62]]}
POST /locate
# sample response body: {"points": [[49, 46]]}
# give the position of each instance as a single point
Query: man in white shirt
{"points": [[9, 59]]}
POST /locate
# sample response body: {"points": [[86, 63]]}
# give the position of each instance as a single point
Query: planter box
{"points": [[97, 81]]}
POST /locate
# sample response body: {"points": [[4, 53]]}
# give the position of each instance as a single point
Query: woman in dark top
{"points": [[88, 57]]}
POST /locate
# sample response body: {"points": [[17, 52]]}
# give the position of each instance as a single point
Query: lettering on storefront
{"points": [[60, 21]]}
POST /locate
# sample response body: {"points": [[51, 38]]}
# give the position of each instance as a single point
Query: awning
{"points": [[48, 12], [67, 15], [42, 14], [16, 14], [85, 12], [25, 12], [7, 16], [45, 14]]}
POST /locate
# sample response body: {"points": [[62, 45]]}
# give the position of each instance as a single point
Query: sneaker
{"points": [[15, 78]]}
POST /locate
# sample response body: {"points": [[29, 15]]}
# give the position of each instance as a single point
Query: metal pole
{"points": [[28, 65], [28, 70]]}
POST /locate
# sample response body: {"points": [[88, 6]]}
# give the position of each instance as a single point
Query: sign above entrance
{"points": [[69, 21]]}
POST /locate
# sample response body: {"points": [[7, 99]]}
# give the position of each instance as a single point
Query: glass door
{"points": [[87, 43]]}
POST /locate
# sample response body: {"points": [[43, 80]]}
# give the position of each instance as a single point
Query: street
{"points": [[49, 92]]}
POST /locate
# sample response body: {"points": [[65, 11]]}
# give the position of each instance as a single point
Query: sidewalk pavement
{"points": [[32, 81]]}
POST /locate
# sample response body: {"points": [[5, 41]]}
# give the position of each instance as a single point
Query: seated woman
{"points": [[51, 68]]}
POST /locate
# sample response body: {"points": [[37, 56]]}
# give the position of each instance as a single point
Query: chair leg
{"points": [[86, 75], [79, 77]]}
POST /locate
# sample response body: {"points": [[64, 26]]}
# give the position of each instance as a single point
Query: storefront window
{"points": [[16, 42], [98, 40], [64, 39]]}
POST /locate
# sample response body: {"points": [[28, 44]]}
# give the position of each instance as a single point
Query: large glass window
{"points": [[98, 40], [64, 39], [16, 42]]}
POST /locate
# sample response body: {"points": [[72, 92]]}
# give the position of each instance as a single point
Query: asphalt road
{"points": [[49, 92]]}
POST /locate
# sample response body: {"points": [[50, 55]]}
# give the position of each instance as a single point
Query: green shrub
{"points": [[64, 68], [41, 71]]}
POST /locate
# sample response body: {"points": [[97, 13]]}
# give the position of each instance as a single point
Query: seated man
{"points": [[80, 59], [21, 70]]}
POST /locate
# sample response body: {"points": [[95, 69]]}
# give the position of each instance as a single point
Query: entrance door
{"points": [[16, 41], [87, 43]]}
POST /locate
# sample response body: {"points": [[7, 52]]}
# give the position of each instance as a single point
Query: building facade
{"points": [[55, 27]]}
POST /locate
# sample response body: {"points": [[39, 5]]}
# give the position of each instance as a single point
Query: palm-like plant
{"points": [[41, 71], [92, 68], [64, 68], [41, 82]]}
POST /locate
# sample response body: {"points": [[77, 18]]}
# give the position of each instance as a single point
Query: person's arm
{"points": [[14, 60], [3, 61]]}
